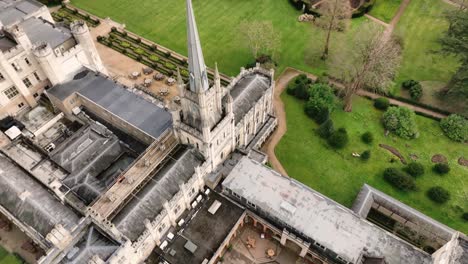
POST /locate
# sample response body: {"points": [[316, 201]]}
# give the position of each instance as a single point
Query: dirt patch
{"points": [[439, 158], [462, 161], [394, 151]]}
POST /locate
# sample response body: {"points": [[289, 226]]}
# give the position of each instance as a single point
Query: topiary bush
{"points": [[326, 129], [381, 103], [441, 168], [139, 51], [401, 121], [455, 127], [367, 137], [465, 216], [125, 44], [366, 155], [153, 58], [438, 194], [321, 102], [399, 179], [415, 169], [339, 139], [416, 92]]}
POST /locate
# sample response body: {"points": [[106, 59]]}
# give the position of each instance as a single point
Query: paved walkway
{"points": [[391, 26], [383, 23]]}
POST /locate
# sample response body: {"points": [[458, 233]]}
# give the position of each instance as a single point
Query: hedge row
{"points": [[67, 15]]}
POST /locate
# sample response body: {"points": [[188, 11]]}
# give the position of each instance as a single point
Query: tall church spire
{"points": [[197, 68]]}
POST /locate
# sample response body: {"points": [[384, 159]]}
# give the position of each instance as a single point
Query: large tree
{"points": [[455, 42], [369, 61], [335, 15], [260, 37]]}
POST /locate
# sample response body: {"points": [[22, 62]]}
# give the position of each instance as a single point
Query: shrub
{"points": [[326, 129], [338, 139], [415, 169], [400, 120], [139, 51], [100, 38], [441, 168], [184, 73], [367, 137], [381, 103], [167, 54], [125, 44], [465, 216], [455, 127], [138, 40], [170, 66], [153, 47], [299, 87], [113, 29], [408, 84], [399, 179], [438, 194], [366, 155], [153, 58], [416, 92], [321, 102]]}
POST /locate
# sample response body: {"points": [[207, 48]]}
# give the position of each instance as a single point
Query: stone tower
{"points": [[200, 102], [48, 61], [80, 31]]}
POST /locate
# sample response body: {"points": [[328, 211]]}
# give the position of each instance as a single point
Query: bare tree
{"points": [[370, 61], [335, 15], [261, 37]]}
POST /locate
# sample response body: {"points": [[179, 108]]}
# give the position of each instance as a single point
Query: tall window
{"points": [[11, 92], [1, 77], [16, 66], [27, 61], [37, 76], [27, 82]]}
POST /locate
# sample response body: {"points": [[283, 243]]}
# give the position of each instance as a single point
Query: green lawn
{"points": [[218, 23], [385, 9], [420, 26], [7, 258], [340, 176]]}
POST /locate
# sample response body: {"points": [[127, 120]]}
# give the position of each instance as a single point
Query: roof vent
{"points": [[288, 207]]}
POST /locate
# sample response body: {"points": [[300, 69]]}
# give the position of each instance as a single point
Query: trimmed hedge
{"points": [[399, 179], [438, 194]]}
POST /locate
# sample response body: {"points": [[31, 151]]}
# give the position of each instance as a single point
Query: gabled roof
{"points": [[113, 97], [12, 11]]}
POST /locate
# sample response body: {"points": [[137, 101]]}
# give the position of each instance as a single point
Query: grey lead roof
{"points": [[197, 68], [12, 11], [162, 187], [39, 30], [30, 202], [111, 96], [247, 91], [316, 216]]}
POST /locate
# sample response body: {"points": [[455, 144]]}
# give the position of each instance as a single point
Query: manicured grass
{"points": [[7, 258], [420, 26], [339, 175], [385, 9], [218, 23]]}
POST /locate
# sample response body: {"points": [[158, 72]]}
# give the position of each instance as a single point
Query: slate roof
{"points": [[247, 91], [163, 186], [113, 97], [30, 202], [303, 209], [12, 11], [39, 30]]}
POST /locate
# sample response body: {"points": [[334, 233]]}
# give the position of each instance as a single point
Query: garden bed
{"points": [[67, 15], [151, 55]]}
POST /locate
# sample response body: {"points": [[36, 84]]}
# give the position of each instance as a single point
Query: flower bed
{"points": [[149, 54], [68, 15]]}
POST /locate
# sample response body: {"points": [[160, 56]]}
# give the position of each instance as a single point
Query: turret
{"points": [[46, 58], [20, 37], [219, 89], [80, 31]]}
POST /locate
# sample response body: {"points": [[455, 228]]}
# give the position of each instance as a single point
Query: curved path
{"points": [[278, 105]]}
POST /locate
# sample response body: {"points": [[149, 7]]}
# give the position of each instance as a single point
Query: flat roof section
{"points": [[12, 11], [204, 233], [113, 97], [316, 216]]}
